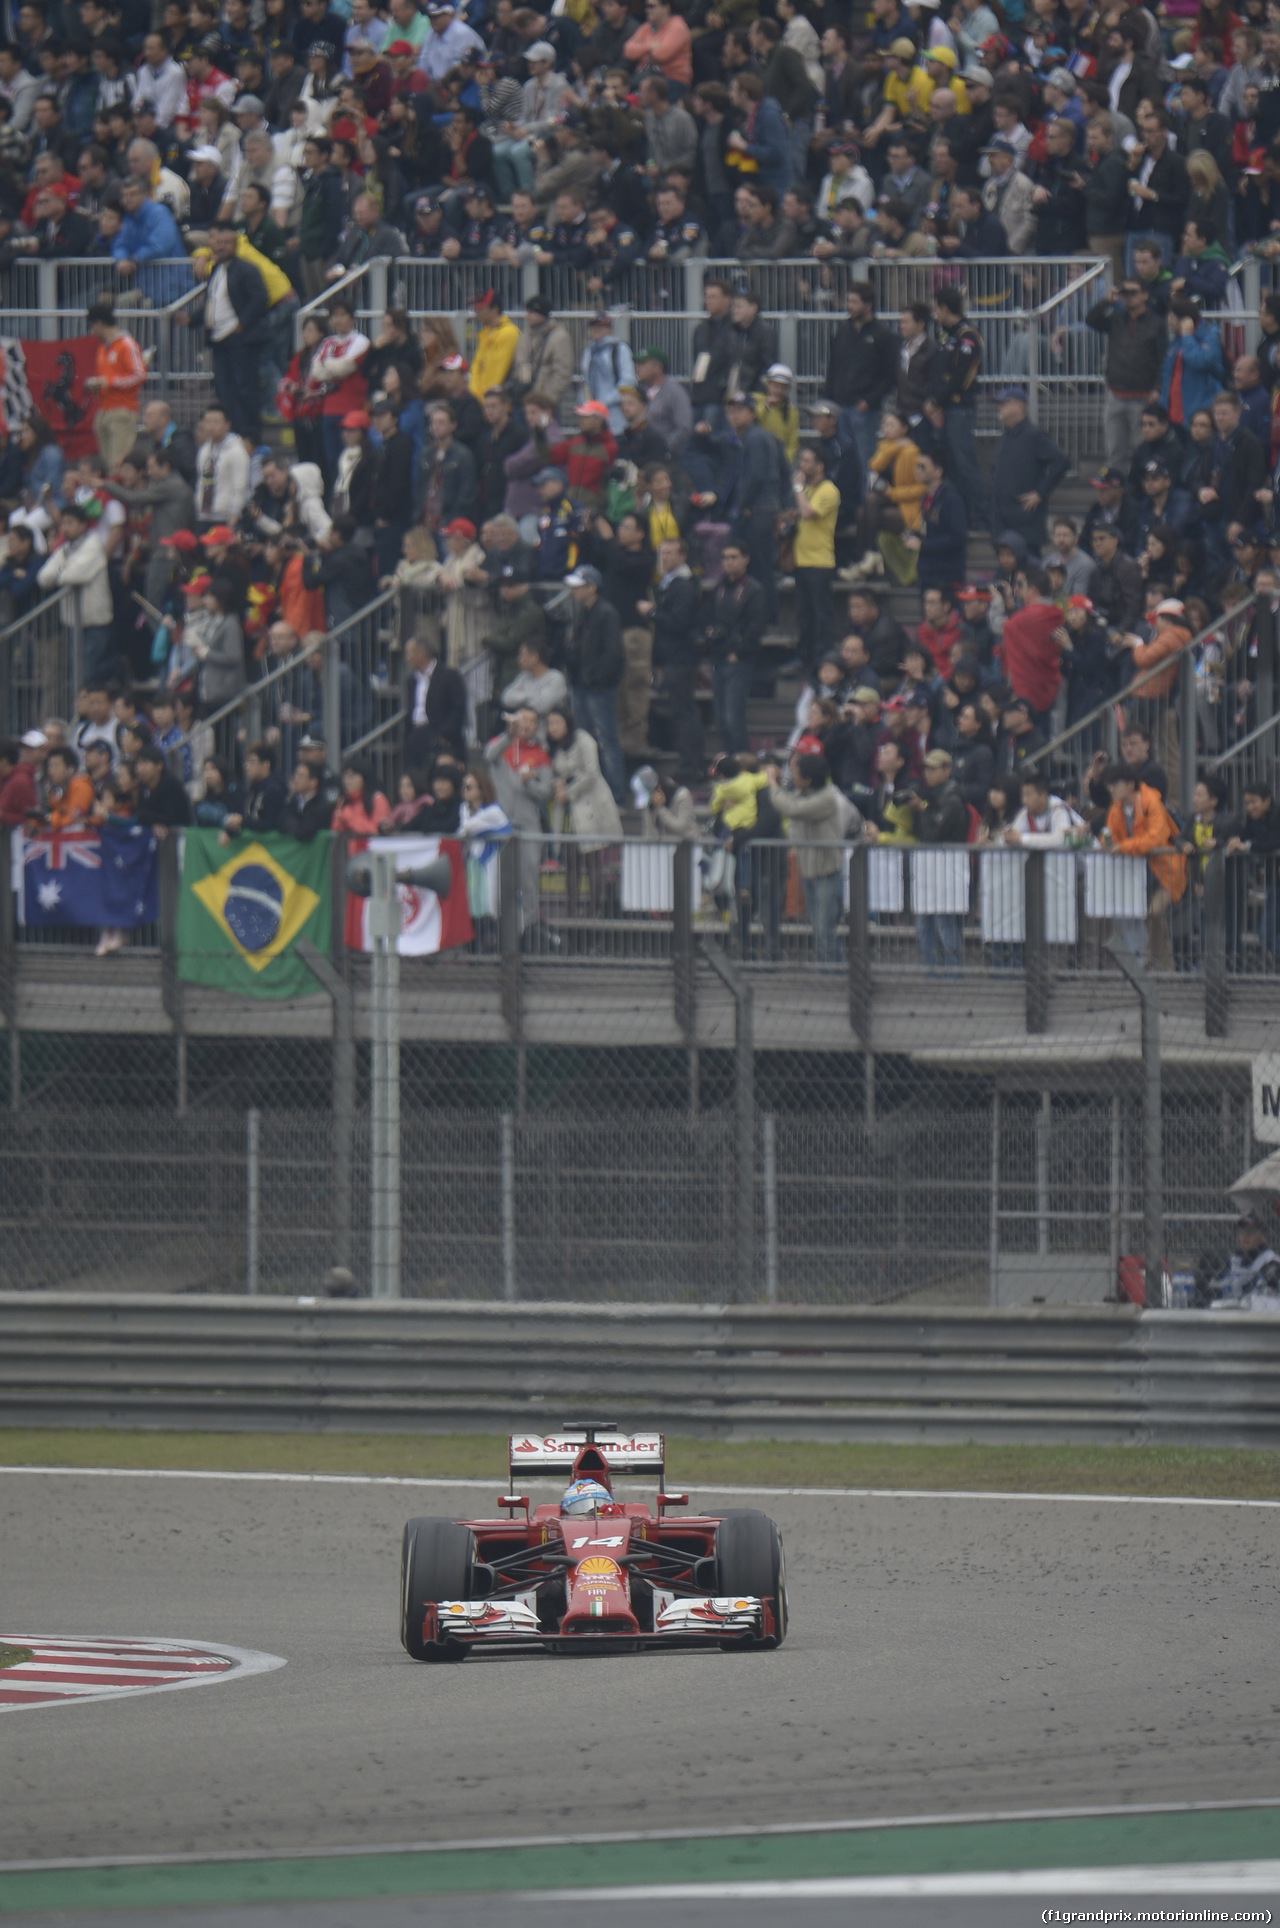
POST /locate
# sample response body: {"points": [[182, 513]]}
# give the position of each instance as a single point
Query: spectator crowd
{"points": [[602, 549]]}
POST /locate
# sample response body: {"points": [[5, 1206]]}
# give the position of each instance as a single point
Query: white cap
{"points": [[205, 154], [540, 50], [34, 740], [1170, 607], [778, 372]]}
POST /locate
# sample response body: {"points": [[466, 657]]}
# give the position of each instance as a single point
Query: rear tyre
{"points": [[435, 1564], [750, 1560]]}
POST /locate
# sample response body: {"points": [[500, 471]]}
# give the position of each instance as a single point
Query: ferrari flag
{"points": [[428, 923], [242, 910], [51, 376]]}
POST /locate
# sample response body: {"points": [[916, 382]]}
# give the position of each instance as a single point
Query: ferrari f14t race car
{"points": [[587, 1571]]}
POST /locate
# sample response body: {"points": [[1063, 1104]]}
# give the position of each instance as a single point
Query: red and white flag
{"points": [[428, 923]]}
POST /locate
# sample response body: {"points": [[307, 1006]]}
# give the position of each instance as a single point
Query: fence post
{"points": [[377, 286], [509, 936], [1036, 949], [344, 1067], [253, 1201], [1152, 1123], [331, 697], [1186, 732], [9, 991], [859, 947], [77, 638], [48, 283], [769, 1146], [509, 1291], [1252, 291], [1215, 945], [744, 1117], [170, 984], [1033, 366], [993, 1230], [682, 940], [384, 926]]}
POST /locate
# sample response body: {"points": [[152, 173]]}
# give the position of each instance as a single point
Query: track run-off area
{"points": [[1018, 1667]]}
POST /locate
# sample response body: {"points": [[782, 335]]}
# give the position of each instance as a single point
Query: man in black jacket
{"points": [[1237, 470], [235, 319], [502, 437], [162, 801], [1057, 193], [1119, 586], [1136, 342], [1029, 467], [674, 615], [1159, 182], [436, 700], [954, 401], [862, 370], [265, 796], [753, 343], [391, 501], [941, 817], [308, 811], [733, 625], [713, 353], [595, 661]]}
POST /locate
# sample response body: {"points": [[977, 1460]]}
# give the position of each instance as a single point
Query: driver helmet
{"points": [[585, 1496]]}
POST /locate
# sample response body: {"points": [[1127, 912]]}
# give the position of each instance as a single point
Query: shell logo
{"points": [[599, 1568]]}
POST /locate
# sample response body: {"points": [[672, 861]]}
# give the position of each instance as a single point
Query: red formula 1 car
{"points": [[587, 1572]]}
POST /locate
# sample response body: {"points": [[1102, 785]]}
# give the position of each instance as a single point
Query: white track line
{"points": [[766, 1492], [657, 1836], [1187, 1879]]}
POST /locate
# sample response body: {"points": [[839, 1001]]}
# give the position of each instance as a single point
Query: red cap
{"points": [[592, 408], [1080, 602], [355, 418], [970, 593], [487, 300], [198, 585], [220, 534], [398, 49], [461, 527], [180, 539], [456, 364]]}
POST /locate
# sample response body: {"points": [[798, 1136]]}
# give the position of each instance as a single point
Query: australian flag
{"points": [[100, 879]]}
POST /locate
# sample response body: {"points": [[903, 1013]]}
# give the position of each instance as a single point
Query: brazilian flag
{"points": [[242, 909]]}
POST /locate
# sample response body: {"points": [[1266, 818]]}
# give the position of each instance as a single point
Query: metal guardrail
{"points": [[1103, 1374]]}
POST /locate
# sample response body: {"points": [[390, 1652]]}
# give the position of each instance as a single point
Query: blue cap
{"points": [[1011, 395], [550, 475]]}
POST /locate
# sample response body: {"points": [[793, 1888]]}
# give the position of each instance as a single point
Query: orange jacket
{"points": [[122, 372], [302, 609], [1153, 827], [1171, 636], [73, 804]]}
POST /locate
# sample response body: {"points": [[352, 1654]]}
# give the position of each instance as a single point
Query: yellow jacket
{"points": [[902, 817], [906, 490], [783, 422], [495, 352], [277, 283], [734, 802]]}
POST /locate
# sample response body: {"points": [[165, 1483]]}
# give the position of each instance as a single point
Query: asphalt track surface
{"points": [[946, 1656]]}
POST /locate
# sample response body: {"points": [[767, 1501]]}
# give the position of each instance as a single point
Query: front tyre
{"points": [[435, 1564], [750, 1560]]}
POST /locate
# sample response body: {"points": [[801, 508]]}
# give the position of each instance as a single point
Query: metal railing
{"points": [[41, 663], [1199, 706], [1041, 1374]]}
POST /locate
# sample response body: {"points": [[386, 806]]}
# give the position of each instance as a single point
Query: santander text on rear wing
{"points": [[532, 1453]]}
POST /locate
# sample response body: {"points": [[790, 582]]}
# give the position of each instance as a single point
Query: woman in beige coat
{"points": [[582, 805]]}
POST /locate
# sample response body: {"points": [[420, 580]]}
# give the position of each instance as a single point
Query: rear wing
{"points": [[559, 1452]]}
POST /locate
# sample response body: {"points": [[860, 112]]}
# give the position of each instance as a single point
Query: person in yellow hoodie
{"points": [[892, 505], [495, 345]]}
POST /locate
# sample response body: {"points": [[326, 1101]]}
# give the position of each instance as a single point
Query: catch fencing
{"points": [[1101, 1376], [612, 1099]]}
